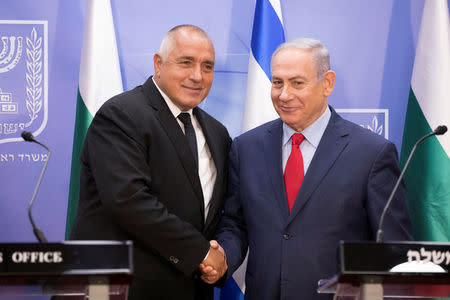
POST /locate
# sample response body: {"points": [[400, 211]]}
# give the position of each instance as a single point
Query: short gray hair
{"points": [[321, 56], [167, 42]]}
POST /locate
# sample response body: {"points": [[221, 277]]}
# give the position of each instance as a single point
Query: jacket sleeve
{"points": [[383, 175], [232, 232], [116, 156]]}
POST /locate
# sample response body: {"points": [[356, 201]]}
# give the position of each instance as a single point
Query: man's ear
{"points": [[157, 62], [328, 82]]}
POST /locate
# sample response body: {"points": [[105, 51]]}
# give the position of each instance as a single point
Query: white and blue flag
{"points": [[267, 35]]}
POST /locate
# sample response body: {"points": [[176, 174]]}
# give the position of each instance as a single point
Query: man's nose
{"points": [[196, 74], [285, 93]]}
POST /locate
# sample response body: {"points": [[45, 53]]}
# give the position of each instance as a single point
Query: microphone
{"points": [[28, 136], [438, 131]]}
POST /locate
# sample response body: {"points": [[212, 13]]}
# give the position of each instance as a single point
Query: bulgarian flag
{"points": [[99, 80], [428, 176]]}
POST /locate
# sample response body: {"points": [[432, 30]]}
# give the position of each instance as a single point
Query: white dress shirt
{"points": [[207, 171]]}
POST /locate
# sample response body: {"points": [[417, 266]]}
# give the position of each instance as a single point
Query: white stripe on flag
{"points": [[432, 65], [100, 77], [277, 8], [258, 107]]}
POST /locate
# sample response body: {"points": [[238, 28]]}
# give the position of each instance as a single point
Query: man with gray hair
{"points": [[301, 183], [153, 171]]}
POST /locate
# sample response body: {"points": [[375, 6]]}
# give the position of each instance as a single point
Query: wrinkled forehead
{"points": [[190, 38], [292, 59]]}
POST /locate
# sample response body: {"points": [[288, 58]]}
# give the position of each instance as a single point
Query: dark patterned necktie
{"points": [[189, 131]]}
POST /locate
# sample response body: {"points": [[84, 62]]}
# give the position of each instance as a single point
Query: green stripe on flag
{"points": [[427, 178], [82, 121]]}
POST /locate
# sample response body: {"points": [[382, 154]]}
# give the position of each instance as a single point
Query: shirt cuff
{"points": [[206, 255]]}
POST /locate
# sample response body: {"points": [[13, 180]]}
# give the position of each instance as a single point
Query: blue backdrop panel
{"points": [[372, 46]]}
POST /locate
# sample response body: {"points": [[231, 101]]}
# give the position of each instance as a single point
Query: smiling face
{"points": [[297, 95], [186, 74]]}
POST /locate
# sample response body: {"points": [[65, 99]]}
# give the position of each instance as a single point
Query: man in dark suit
{"points": [[154, 171], [300, 184]]}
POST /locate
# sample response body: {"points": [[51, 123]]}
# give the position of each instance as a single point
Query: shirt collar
{"points": [[172, 107], [313, 133]]}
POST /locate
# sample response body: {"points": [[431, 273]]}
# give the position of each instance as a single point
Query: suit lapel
{"points": [[176, 136], [218, 162], [272, 154], [333, 142]]}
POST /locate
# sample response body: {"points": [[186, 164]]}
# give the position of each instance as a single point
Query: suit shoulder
{"points": [[211, 121], [128, 112], [260, 131], [365, 137], [125, 100], [132, 105]]}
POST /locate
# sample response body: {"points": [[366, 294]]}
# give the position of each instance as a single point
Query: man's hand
{"points": [[215, 265]]}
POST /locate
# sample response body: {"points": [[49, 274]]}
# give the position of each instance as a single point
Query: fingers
{"points": [[209, 279], [207, 270], [216, 255], [215, 265], [214, 244]]}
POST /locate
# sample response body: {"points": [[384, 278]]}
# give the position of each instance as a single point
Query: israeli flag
{"points": [[267, 35]]}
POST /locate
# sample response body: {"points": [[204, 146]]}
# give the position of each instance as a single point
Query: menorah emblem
{"points": [[23, 78], [10, 55]]}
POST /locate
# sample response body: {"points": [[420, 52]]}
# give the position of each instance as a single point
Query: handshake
{"points": [[215, 264]]}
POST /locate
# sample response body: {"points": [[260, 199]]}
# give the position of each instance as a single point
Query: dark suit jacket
{"points": [[341, 198], [139, 182]]}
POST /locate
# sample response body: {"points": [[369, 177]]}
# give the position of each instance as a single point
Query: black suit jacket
{"points": [[139, 182]]}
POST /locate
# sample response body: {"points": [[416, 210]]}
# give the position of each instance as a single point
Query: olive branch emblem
{"points": [[374, 126], [34, 76]]}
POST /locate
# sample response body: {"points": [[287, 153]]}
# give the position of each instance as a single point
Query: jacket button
{"points": [[174, 259], [286, 236]]}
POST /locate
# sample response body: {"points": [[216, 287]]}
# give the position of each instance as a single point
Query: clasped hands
{"points": [[215, 264]]}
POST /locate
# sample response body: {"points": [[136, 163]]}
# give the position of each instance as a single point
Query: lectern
{"points": [[405, 270], [95, 270]]}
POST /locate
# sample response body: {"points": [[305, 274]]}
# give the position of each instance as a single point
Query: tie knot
{"points": [[185, 118], [297, 138]]}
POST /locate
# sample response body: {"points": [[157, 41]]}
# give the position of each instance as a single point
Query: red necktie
{"points": [[293, 172]]}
